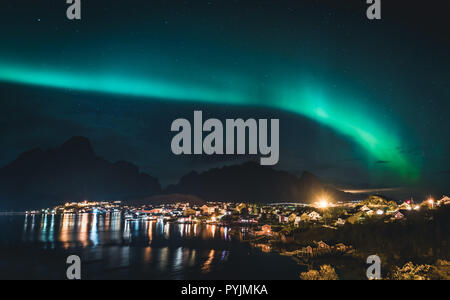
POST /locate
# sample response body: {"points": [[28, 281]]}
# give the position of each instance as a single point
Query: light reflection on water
{"points": [[207, 265], [74, 230], [110, 238], [112, 248]]}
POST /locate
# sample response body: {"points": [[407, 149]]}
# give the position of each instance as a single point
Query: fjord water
{"points": [[37, 246]]}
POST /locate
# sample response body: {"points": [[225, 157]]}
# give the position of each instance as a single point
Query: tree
{"points": [[411, 272], [326, 272], [443, 269], [438, 271]]}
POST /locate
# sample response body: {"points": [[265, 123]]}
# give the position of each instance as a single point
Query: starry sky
{"points": [[362, 104]]}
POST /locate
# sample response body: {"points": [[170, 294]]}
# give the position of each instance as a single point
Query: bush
{"points": [[326, 272], [411, 272]]}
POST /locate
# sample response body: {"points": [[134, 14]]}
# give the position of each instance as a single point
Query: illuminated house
{"points": [[208, 210], [365, 208], [340, 222], [314, 216], [399, 216], [265, 230], [323, 245]]}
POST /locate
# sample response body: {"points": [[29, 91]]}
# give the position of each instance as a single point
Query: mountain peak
{"points": [[78, 144], [71, 172]]}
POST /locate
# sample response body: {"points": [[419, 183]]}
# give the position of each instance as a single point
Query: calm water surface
{"points": [[113, 248]]}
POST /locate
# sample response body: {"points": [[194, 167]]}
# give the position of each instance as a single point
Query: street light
{"points": [[323, 203], [431, 202]]}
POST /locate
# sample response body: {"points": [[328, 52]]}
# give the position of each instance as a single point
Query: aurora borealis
{"points": [[345, 117], [367, 104]]}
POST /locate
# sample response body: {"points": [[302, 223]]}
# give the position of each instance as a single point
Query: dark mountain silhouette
{"points": [[72, 172], [251, 182]]}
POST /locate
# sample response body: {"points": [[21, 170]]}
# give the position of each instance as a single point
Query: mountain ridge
{"points": [[251, 182], [73, 172]]}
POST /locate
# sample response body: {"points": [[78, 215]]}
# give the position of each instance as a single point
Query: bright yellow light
{"points": [[323, 203]]}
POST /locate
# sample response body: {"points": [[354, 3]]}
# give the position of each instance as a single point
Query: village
{"points": [[339, 236], [264, 219]]}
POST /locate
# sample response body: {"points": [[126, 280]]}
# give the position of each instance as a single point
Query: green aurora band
{"points": [[343, 115]]}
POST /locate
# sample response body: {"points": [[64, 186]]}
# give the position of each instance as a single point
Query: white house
{"points": [[380, 212], [314, 216]]}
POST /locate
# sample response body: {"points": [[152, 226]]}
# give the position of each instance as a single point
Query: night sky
{"points": [[362, 104]]}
